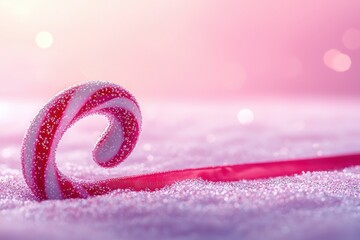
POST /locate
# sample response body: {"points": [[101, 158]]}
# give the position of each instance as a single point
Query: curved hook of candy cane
{"points": [[41, 140]]}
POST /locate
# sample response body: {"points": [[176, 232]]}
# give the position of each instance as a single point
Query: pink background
{"points": [[219, 83], [181, 49]]}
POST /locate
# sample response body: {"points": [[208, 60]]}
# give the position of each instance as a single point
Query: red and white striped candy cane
{"points": [[46, 130]]}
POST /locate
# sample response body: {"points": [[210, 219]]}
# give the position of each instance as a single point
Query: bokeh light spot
{"points": [[8, 152], [4, 110], [342, 63], [351, 39], [147, 147], [337, 60], [44, 39], [245, 116]]}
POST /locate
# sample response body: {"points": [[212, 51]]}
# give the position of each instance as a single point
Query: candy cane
{"points": [[46, 130], [120, 107]]}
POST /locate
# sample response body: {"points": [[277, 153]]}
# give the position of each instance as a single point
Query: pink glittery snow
{"points": [[319, 205]]}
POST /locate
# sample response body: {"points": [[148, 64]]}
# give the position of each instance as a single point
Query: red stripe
{"points": [[68, 188], [45, 139]]}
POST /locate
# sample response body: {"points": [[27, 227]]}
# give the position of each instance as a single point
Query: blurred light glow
{"points": [[319, 153], [8, 152], [150, 157], [342, 62], [147, 147], [351, 39], [337, 60], [245, 116], [44, 39], [179, 49], [4, 110], [329, 56]]}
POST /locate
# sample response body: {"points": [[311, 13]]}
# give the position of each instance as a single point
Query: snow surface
{"points": [[177, 135]]}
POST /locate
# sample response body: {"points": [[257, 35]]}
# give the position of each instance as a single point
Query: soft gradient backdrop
{"points": [[182, 49], [219, 83]]}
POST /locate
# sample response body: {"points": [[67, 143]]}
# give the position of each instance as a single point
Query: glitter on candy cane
{"points": [[45, 132]]}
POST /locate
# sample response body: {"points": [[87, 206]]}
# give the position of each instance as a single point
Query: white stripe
{"points": [[110, 146], [77, 101], [52, 186], [30, 146]]}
